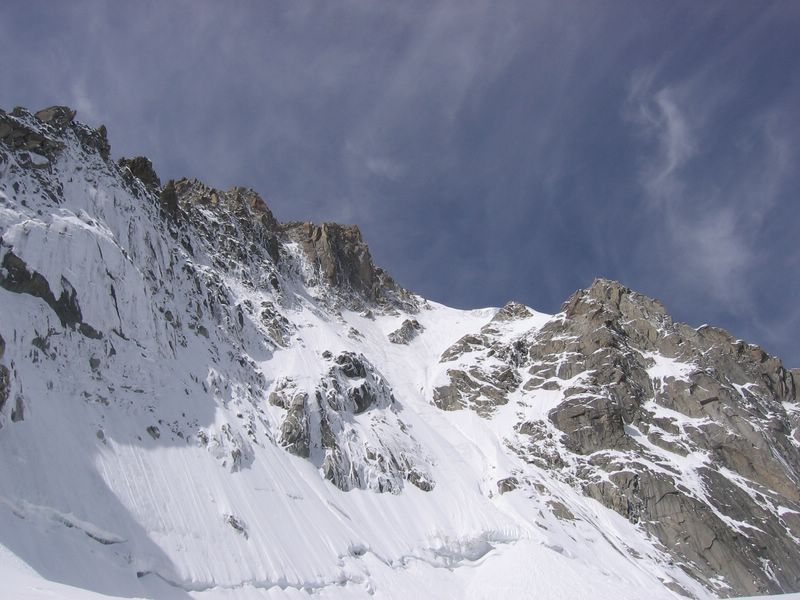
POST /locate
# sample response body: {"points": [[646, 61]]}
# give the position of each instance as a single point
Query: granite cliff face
{"points": [[689, 433], [150, 329], [331, 260]]}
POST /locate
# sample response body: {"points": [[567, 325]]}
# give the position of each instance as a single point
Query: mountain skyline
{"points": [[488, 152], [200, 401]]}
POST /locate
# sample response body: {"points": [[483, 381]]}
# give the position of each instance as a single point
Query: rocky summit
{"points": [[199, 401]]}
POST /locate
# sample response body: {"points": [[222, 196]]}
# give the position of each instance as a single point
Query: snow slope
{"points": [[144, 459]]}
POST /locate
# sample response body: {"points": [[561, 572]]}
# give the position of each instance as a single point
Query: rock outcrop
{"points": [[141, 168], [339, 259], [482, 367], [409, 329], [16, 277], [58, 117], [689, 433], [17, 133], [350, 428], [332, 259], [661, 392]]}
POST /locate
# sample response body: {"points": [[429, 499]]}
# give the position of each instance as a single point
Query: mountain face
{"points": [[197, 400]]}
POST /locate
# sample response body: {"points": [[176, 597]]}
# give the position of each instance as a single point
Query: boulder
{"points": [[56, 116]]}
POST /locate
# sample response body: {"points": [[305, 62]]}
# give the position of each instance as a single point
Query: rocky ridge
{"points": [[226, 238], [331, 260], [287, 336], [689, 433]]}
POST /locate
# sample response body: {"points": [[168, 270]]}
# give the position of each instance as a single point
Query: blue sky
{"points": [[488, 150]]}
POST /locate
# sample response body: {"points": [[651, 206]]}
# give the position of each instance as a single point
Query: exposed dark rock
{"points": [[237, 525], [243, 232], [697, 535], [353, 391], [591, 424], [512, 311], [340, 252], [343, 261], [362, 397], [561, 510], [18, 412], [482, 391], [245, 235], [633, 389], [242, 203], [420, 480], [278, 327], [141, 168], [350, 365], [18, 134], [169, 200], [407, 332], [613, 337], [90, 332], [95, 139], [294, 429], [56, 116], [468, 343], [16, 277], [42, 133], [507, 484], [5, 385], [485, 366]]}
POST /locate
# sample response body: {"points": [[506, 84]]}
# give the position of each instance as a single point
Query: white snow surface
{"points": [[92, 506]]}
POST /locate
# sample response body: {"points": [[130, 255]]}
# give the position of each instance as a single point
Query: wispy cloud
{"points": [[659, 114], [480, 146], [712, 215]]}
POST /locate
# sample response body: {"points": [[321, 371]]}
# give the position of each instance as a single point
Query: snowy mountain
{"points": [[197, 401]]}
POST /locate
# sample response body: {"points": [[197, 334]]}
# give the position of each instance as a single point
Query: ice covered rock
{"points": [[407, 332], [350, 428]]}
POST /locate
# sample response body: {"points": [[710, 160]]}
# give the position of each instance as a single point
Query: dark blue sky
{"points": [[487, 150]]}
